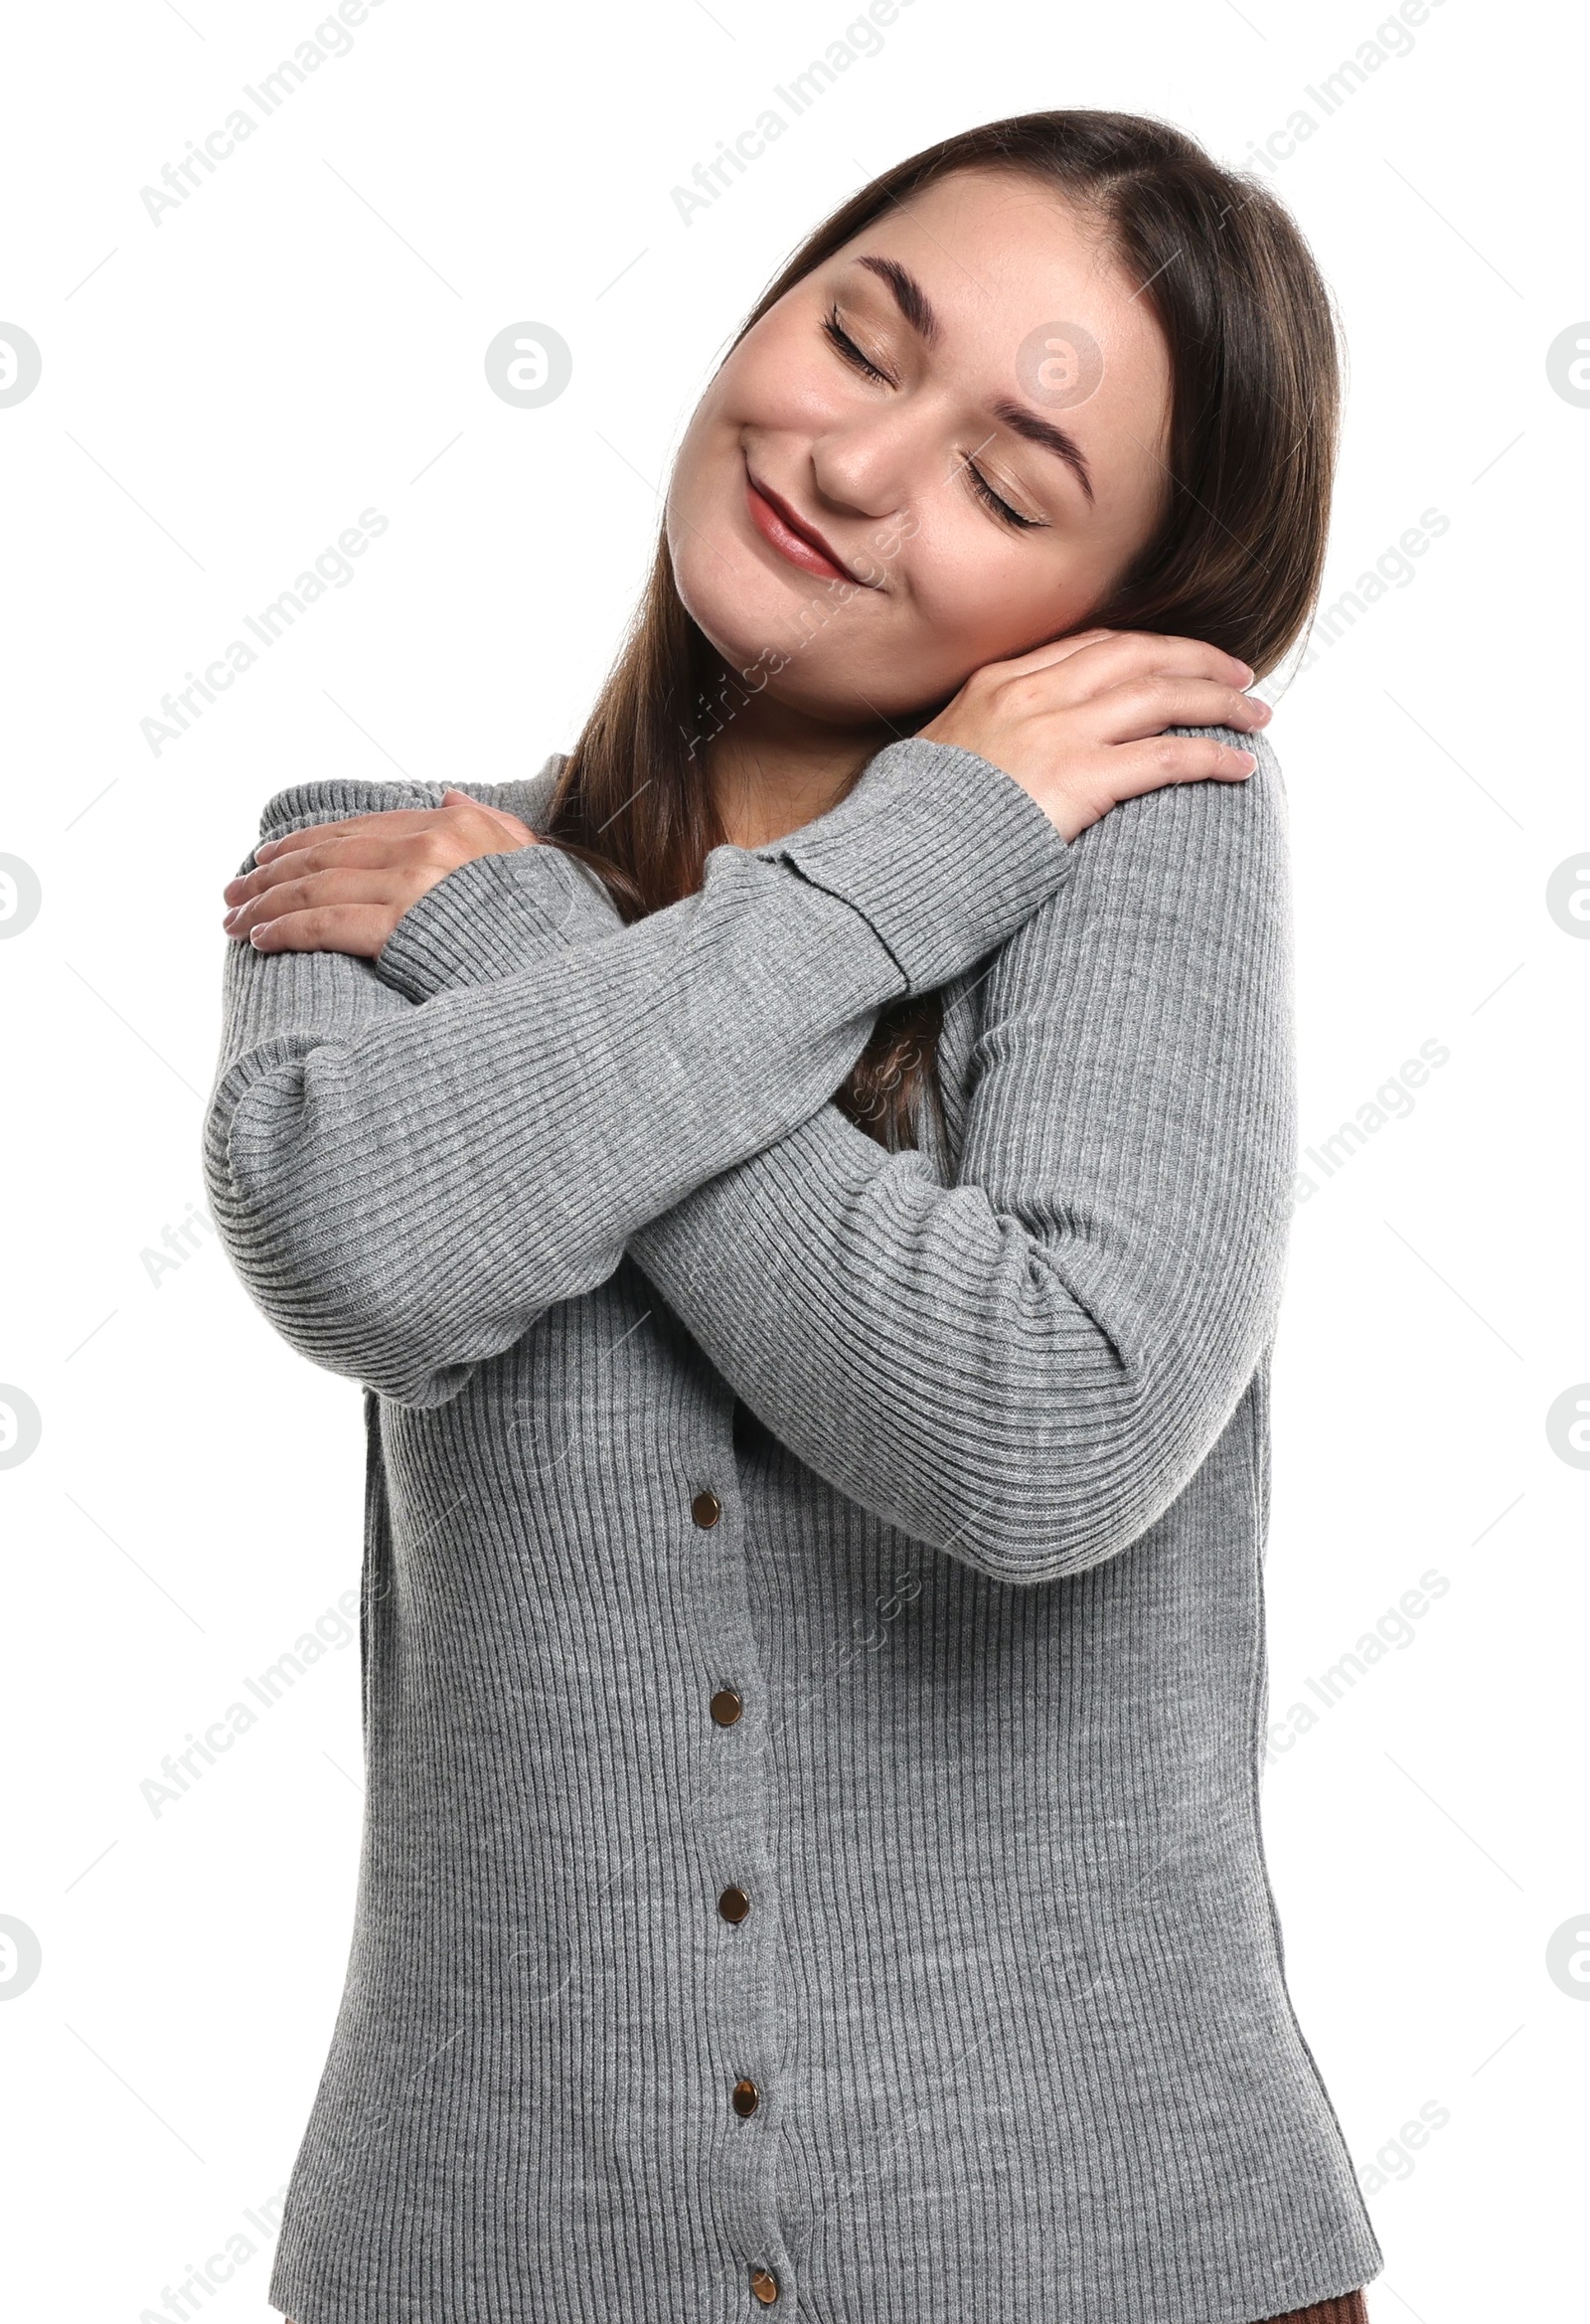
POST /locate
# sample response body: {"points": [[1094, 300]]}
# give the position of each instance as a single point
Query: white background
{"points": [[222, 395]]}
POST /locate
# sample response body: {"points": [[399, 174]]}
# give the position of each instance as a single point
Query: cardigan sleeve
{"points": [[405, 1186], [1023, 1369]]}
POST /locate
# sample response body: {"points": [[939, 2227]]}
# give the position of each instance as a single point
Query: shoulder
{"points": [[1175, 889], [1261, 796], [531, 800], [1214, 833], [330, 798]]}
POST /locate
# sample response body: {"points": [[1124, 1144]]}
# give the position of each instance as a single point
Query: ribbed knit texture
{"points": [[987, 1429]]}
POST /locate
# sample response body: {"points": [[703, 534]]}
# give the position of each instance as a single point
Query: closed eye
{"points": [[991, 499], [837, 335]]}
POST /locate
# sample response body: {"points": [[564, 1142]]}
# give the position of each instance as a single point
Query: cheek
{"points": [[697, 511], [701, 451], [784, 378], [979, 599]]}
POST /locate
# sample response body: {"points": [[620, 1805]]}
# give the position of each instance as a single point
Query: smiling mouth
{"points": [[785, 530]]}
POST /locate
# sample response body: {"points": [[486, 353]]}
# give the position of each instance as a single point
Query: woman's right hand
{"points": [[1080, 724], [343, 887]]}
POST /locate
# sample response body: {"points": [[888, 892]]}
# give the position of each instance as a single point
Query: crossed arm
{"points": [[412, 1158]]}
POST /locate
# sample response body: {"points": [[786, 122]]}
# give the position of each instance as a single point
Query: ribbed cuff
{"points": [[942, 853], [489, 918]]}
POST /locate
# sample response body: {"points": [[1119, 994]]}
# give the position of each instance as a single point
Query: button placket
{"points": [[746, 2007]]}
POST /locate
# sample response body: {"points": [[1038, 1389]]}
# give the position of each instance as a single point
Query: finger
{"points": [[1170, 758], [352, 885], [399, 821], [1121, 655], [396, 828], [1044, 657], [358, 928], [393, 818], [430, 847], [1130, 711], [1097, 660]]}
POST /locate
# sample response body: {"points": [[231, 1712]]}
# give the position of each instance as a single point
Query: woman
{"points": [[803, 1185]]}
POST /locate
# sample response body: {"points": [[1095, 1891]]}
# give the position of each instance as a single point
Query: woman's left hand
{"points": [[344, 886]]}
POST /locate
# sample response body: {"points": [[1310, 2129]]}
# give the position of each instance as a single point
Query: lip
{"points": [[786, 530]]}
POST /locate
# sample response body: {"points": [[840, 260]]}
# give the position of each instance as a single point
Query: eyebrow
{"points": [[914, 304]]}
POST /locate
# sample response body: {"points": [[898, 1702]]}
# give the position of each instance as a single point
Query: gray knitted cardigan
{"points": [[813, 1644]]}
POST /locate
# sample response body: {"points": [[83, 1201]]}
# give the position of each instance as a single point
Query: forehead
{"points": [[1031, 304]]}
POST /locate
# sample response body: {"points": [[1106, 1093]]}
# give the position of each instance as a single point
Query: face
{"points": [[901, 474]]}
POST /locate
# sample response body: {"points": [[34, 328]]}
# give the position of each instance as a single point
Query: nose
{"points": [[866, 467]]}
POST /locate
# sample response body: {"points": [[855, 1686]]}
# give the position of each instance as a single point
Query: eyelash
{"points": [[841, 340]]}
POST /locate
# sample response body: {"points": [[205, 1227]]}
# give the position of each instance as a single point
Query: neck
{"points": [[773, 768]]}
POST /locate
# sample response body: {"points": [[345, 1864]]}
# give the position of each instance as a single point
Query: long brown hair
{"points": [[1236, 561]]}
